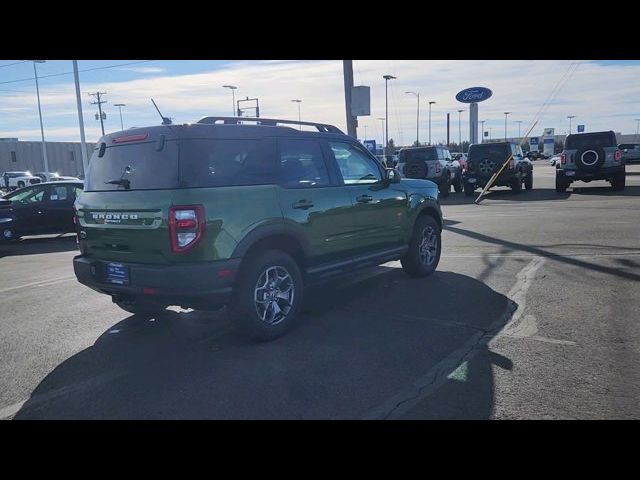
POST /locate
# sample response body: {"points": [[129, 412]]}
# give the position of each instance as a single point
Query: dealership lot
{"points": [[532, 314]]}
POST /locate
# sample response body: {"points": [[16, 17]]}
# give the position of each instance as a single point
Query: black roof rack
{"points": [[272, 122]]}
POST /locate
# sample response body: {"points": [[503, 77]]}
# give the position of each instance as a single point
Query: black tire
{"points": [[244, 308], [142, 309], [415, 264], [445, 187], [516, 184], [21, 184], [528, 181], [618, 182], [459, 185], [561, 186], [469, 189]]}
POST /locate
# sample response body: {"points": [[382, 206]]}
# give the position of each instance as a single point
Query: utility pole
{"points": [[430, 103], [83, 145], [352, 122], [417, 118], [505, 125], [44, 147], [99, 103], [120, 105], [448, 129], [386, 109], [519, 122], [638, 126], [482, 132], [460, 130]]}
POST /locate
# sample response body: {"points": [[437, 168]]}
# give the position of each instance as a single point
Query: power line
{"points": [[14, 63], [71, 73]]}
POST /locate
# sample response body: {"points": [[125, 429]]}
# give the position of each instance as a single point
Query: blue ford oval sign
{"points": [[474, 95]]}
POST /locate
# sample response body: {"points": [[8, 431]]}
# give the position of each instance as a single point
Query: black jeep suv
{"points": [[487, 158]]}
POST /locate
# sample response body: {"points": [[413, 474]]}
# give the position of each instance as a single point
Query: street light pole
{"points": [[518, 122], [83, 144], [482, 131], [460, 130], [120, 105], [383, 120], [417, 119], [233, 96], [386, 109], [638, 126], [505, 125], [298, 101], [430, 103], [44, 147], [570, 117]]}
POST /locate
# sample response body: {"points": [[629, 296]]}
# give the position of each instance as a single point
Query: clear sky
{"points": [[603, 95]]}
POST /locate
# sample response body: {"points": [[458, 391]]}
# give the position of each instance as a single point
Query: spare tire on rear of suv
{"points": [[415, 168], [590, 158]]}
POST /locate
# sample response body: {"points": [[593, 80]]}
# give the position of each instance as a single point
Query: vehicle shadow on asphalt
{"points": [[358, 344], [37, 245], [519, 247], [539, 194]]}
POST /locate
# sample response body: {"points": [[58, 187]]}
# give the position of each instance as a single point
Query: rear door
{"points": [[27, 206], [313, 202], [58, 208], [379, 208]]}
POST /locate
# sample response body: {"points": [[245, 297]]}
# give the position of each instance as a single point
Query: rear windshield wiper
{"points": [[121, 181]]}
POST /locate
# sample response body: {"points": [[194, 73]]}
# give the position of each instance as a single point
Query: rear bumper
{"points": [[185, 285], [599, 174], [504, 180]]}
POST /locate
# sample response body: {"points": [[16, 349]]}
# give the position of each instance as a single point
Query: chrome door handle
{"points": [[364, 198], [302, 204]]}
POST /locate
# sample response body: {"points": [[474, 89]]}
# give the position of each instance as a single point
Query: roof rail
{"points": [[272, 122]]}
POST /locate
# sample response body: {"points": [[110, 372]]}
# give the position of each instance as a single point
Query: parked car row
{"points": [[13, 180], [466, 173]]}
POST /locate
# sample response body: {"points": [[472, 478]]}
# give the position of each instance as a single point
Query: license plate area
{"points": [[116, 273]]}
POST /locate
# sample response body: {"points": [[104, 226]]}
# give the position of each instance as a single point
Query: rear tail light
{"points": [[563, 159], [617, 156], [186, 226]]}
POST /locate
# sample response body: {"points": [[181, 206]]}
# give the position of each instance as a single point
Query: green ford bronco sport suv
{"points": [[245, 213]]}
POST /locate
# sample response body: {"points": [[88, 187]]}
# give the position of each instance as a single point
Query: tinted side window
{"points": [[59, 193], [354, 165], [447, 154], [228, 162], [302, 164], [29, 195]]}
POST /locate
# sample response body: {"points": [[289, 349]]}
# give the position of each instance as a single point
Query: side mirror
{"points": [[392, 175]]}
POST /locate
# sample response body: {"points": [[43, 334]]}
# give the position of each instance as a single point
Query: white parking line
{"points": [[41, 283]]}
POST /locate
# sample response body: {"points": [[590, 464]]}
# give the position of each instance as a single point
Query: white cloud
{"points": [[144, 69], [601, 96]]}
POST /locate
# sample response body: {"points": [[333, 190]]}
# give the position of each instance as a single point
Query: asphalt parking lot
{"points": [[532, 314]]}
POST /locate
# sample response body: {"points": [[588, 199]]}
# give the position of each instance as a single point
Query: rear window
{"points": [[426, 155], [590, 140], [494, 152], [150, 169]]}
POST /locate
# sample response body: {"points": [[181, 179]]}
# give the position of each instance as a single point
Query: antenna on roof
{"points": [[165, 120]]}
